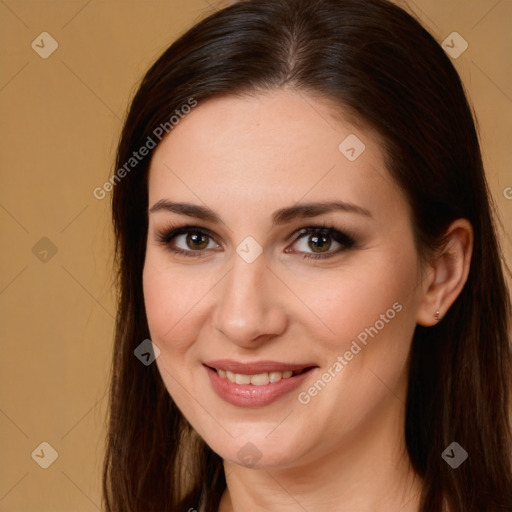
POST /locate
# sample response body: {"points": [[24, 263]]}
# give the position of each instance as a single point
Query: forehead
{"points": [[279, 146]]}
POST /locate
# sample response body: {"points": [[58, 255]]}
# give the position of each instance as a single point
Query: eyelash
{"points": [[167, 235]]}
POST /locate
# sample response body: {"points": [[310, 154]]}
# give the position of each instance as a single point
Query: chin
{"points": [[256, 452]]}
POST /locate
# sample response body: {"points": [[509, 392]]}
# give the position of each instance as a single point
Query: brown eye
{"points": [[316, 242], [319, 243], [196, 241], [187, 240]]}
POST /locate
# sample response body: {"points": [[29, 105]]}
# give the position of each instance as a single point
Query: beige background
{"points": [[61, 118]]}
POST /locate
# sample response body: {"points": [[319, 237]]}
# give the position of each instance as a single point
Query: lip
{"points": [[249, 395]]}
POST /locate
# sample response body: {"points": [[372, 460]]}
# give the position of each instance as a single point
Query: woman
{"points": [[304, 232]]}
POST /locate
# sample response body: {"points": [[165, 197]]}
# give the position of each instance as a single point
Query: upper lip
{"points": [[256, 367]]}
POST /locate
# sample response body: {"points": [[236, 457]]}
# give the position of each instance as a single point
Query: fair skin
{"points": [[244, 158]]}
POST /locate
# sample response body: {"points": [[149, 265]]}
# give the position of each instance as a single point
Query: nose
{"points": [[249, 310]]}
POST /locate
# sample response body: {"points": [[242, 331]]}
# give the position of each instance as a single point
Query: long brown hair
{"points": [[380, 64]]}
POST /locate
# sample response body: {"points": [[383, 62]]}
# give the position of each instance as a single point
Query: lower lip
{"points": [[249, 395]]}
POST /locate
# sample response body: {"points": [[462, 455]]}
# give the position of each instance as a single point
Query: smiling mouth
{"points": [[259, 379]]}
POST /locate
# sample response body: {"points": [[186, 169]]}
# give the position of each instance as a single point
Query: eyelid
{"points": [[328, 230], [343, 237], [166, 234], [169, 232]]}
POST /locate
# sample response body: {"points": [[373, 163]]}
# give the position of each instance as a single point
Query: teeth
{"points": [[261, 379], [242, 379], [275, 376]]}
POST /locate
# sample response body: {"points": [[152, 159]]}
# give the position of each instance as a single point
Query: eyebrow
{"points": [[281, 216]]}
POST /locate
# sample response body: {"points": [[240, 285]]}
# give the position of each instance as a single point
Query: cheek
{"points": [[175, 298], [171, 298], [167, 298], [371, 299], [368, 317]]}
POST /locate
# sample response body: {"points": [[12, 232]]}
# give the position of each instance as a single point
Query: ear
{"points": [[447, 273]]}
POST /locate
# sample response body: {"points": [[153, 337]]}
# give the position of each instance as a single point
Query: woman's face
{"points": [[245, 287]]}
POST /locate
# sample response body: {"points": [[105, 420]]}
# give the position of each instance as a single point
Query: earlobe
{"points": [[449, 273]]}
